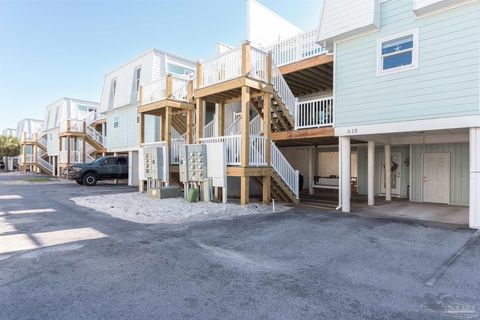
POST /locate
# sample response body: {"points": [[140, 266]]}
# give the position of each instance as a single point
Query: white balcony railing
{"points": [[155, 91], [158, 90], [73, 125], [232, 147], [224, 67], [258, 64], [42, 141], [256, 152], [283, 168], [180, 88], [314, 113], [296, 48]]}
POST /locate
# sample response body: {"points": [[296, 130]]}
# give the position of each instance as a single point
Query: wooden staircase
{"points": [[278, 189], [282, 120], [179, 122]]}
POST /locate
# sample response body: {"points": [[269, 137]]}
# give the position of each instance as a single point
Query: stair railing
{"points": [[284, 169]]}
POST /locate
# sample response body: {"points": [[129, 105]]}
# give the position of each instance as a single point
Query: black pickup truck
{"points": [[104, 168]]}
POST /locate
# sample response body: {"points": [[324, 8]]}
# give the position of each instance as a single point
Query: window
{"points": [[121, 160], [138, 73], [178, 69], [111, 161], [114, 87], [115, 121], [397, 53]]}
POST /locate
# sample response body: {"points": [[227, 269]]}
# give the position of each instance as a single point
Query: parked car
{"points": [[104, 168]]}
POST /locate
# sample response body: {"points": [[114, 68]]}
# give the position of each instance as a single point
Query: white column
{"points": [[311, 169], [474, 205], [345, 173], [371, 173], [388, 172]]}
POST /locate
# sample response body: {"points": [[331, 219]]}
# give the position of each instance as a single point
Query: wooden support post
{"points": [[221, 119], [68, 125], [245, 127], [268, 66], [199, 75], [246, 58], [244, 190], [189, 137], [140, 96], [267, 190], [162, 126], [200, 120], [245, 144], [190, 91], [168, 129], [169, 91]]}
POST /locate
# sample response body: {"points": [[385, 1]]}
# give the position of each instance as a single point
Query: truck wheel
{"points": [[89, 179], [79, 182]]}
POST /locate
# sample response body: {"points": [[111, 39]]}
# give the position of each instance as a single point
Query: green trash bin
{"points": [[192, 195]]}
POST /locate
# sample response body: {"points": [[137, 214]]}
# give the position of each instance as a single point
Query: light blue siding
{"points": [[363, 169], [459, 170], [445, 84]]}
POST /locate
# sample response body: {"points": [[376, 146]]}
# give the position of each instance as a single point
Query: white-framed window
{"points": [[397, 53], [116, 122]]}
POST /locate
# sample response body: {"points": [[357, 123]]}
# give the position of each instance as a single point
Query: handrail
{"points": [[282, 89], [256, 126], [285, 170], [222, 68], [45, 164], [232, 147], [209, 129]]}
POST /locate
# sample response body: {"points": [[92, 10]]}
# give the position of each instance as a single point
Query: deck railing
{"points": [[95, 135], [256, 152], [256, 126], [283, 168], [223, 67], [170, 87], [154, 91], [42, 141], [296, 48], [232, 147], [175, 149], [72, 125], [314, 113]]}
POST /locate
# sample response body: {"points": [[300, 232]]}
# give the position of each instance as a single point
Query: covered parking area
{"points": [[420, 175]]}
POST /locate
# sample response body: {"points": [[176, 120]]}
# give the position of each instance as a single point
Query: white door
{"points": [[396, 173], [436, 177]]}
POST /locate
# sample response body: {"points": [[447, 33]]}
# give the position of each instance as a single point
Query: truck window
{"points": [[122, 161]]}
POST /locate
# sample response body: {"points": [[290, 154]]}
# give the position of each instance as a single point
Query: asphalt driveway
{"points": [[62, 261]]}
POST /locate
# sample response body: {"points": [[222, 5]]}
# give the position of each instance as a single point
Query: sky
{"points": [[63, 48]]}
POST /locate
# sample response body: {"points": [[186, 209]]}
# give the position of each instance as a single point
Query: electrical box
{"points": [[193, 163], [153, 159]]}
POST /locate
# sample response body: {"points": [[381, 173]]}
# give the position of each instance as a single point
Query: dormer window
{"points": [[397, 53], [138, 73], [114, 87]]}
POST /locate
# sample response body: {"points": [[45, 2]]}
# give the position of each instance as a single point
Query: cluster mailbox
{"points": [[153, 163], [193, 163]]}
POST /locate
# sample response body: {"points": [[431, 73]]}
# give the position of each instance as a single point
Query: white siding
{"points": [[426, 6], [343, 18]]}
